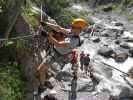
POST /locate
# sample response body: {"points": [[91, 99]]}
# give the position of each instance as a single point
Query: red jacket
{"points": [[82, 55], [74, 57]]}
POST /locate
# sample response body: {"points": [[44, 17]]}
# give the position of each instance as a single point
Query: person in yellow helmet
{"points": [[77, 26], [62, 47]]}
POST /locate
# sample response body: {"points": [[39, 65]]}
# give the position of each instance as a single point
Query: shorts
{"points": [[56, 57]]}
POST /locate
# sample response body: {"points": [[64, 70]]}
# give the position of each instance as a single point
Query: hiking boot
{"points": [[91, 75], [41, 89], [81, 68]]}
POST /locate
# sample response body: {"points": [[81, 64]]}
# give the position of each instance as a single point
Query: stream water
{"points": [[110, 79]]}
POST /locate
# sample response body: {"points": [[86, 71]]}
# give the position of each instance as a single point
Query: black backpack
{"points": [[80, 41]]}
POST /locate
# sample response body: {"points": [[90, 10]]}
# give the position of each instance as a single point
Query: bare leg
{"points": [[42, 70], [86, 69]]}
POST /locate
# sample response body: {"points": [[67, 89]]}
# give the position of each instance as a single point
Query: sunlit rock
{"points": [[121, 57], [127, 34], [130, 72], [105, 51]]}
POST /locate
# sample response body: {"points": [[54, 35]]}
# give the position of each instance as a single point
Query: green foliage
{"points": [[11, 82], [21, 49], [31, 17], [3, 20], [3, 4], [56, 6], [68, 15], [7, 43], [130, 17], [53, 7], [65, 17]]}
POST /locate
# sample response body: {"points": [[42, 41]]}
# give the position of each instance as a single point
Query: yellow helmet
{"points": [[79, 23]]}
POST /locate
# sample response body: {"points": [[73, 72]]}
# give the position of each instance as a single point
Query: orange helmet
{"points": [[79, 23]]}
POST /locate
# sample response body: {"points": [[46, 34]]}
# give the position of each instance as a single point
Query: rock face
{"points": [[105, 51], [21, 26]]}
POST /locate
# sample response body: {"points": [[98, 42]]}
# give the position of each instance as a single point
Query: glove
{"points": [[42, 23], [52, 21]]}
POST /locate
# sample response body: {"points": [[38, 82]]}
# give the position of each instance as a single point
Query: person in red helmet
{"points": [[86, 62], [74, 57], [82, 55]]}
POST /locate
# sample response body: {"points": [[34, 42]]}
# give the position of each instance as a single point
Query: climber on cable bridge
{"points": [[62, 45]]}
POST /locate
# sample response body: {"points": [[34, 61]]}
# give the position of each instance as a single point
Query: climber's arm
{"points": [[57, 27]]}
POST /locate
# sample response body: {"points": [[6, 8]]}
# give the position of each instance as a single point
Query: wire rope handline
{"points": [[112, 67]]}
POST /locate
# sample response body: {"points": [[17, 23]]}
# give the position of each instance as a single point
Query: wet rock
{"points": [[118, 32], [105, 51], [63, 75], [110, 33], [114, 30], [106, 33], [131, 52], [126, 94], [119, 24], [84, 84], [124, 45], [121, 57], [96, 40], [128, 39], [117, 42], [21, 26]]}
